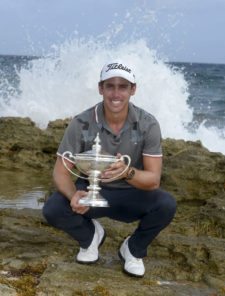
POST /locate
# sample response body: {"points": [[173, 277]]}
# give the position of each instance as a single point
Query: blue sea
{"points": [[188, 99]]}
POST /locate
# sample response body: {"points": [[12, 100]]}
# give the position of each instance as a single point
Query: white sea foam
{"points": [[64, 82]]}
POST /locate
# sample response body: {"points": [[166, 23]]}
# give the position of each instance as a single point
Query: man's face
{"points": [[116, 93]]}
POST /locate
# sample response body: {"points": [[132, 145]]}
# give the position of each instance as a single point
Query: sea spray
{"points": [[65, 82]]}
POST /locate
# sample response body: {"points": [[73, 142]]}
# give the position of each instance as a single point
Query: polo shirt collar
{"points": [[100, 119]]}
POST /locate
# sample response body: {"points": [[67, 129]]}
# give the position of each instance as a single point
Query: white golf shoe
{"points": [[90, 255], [133, 266]]}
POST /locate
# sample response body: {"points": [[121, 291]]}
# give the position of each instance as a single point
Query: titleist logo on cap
{"points": [[117, 66]]}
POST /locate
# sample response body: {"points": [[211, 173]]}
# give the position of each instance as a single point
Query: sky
{"points": [[178, 30]]}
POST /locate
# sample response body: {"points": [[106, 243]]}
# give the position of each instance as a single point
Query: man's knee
{"points": [[54, 208], [167, 206]]}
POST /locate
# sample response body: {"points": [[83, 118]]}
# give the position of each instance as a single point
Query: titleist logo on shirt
{"points": [[117, 66]]}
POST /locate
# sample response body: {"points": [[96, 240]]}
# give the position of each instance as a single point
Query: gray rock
{"points": [[7, 291]]}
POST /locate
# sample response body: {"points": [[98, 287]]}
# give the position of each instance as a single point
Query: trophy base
{"points": [[91, 201]]}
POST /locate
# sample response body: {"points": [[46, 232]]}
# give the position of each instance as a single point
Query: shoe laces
{"points": [[135, 260], [83, 250], [90, 250]]}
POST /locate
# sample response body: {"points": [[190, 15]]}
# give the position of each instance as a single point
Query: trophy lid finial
{"points": [[97, 144]]}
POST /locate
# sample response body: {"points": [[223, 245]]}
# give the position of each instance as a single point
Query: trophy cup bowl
{"points": [[92, 163]]}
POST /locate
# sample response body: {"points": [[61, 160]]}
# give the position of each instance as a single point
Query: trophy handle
{"points": [[69, 156], [119, 159]]}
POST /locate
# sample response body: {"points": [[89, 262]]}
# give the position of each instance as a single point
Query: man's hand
{"points": [[79, 209], [115, 170]]}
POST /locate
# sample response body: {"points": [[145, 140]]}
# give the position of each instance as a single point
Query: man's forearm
{"points": [[144, 180], [65, 185]]}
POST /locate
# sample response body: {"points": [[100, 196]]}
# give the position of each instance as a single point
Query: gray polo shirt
{"points": [[139, 136]]}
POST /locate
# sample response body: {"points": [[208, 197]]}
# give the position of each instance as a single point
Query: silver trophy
{"points": [[92, 163]]}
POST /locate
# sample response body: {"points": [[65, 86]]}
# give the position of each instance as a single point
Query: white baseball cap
{"points": [[117, 69]]}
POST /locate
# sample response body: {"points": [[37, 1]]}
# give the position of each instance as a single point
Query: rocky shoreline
{"points": [[188, 258]]}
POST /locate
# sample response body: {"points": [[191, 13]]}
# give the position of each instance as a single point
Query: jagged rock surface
{"points": [[187, 258]]}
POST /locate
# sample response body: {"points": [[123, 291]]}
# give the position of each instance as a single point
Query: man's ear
{"points": [[100, 86], [133, 88]]}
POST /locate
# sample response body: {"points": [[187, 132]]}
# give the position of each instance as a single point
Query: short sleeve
{"points": [[71, 140], [153, 139]]}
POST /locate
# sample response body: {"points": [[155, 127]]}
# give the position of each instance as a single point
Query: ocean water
{"points": [[188, 99]]}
